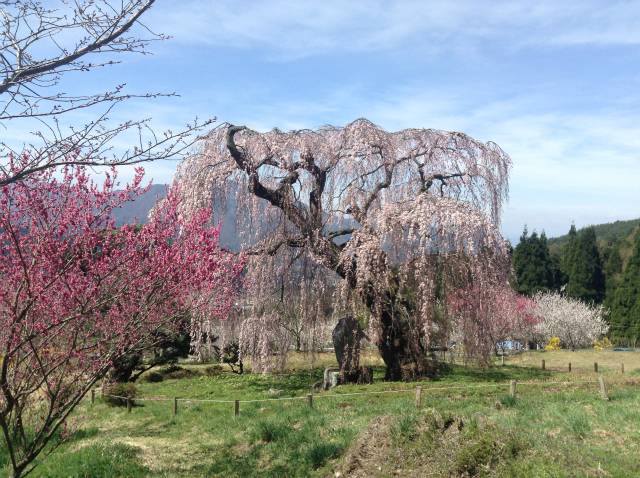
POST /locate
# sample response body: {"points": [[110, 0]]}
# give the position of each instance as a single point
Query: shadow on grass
{"points": [[460, 373], [290, 384], [297, 383]]}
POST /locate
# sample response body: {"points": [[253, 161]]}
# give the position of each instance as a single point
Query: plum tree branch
{"points": [[29, 89], [27, 73]]}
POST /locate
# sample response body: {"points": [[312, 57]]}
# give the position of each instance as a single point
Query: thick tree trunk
{"points": [[399, 342], [400, 348], [124, 367]]}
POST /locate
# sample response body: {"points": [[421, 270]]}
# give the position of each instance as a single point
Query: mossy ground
{"points": [[561, 430]]}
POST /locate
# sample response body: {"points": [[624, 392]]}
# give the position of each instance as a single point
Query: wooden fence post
{"points": [[418, 396], [603, 392], [93, 396], [503, 360], [175, 405], [310, 400], [236, 407], [128, 404], [569, 366], [543, 367], [512, 388], [621, 368], [595, 367]]}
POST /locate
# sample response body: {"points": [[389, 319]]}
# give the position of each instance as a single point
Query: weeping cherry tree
{"points": [[400, 219]]}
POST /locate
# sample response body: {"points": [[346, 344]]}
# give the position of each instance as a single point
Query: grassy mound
{"points": [[431, 444]]}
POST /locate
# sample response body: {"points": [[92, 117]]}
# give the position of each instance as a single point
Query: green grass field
{"points": [[555, 426]]}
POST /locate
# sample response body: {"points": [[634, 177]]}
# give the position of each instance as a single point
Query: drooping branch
{"points": [[271, 250], [406, 249], [276, 197], [388, 169]]}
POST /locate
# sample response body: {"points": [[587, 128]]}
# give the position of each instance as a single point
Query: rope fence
{"points": [[310, 397], [595, 365]]}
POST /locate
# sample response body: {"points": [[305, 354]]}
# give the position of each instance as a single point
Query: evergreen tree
{"points": [[614, 261], [568, 251], [552, 263], [583, 266], [612, 270], [625, 313], [532, 264], [559, 278]]}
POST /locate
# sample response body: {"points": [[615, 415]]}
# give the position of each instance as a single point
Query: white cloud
{"points": [[573, 133], [292, 29]]}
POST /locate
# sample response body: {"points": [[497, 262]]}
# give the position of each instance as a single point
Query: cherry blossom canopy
{"points": [[375, 208]]}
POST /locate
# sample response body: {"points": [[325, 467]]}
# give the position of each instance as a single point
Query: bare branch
{"points": [[29, 86], [341, 232]]}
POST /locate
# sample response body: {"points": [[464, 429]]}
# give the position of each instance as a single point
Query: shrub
{"points": [[554, 344], [179, 374], [170, 368], [508, 401], [318, 453], [404, 427], [175, 372], [152, 377], [602, 344], [268, 431], [113, 393], [483, 449], [579, 424], [213, 370]]}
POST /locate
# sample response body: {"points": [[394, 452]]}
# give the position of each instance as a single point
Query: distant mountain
{"points": [[609, 232], [141, 205]]}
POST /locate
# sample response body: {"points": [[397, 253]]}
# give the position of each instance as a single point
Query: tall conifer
{"points": [[625, 314], [532, 264], [614, 264], [613, 271], [568, 251], [583, 266]]}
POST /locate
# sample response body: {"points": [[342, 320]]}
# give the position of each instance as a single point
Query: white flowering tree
{"points": [[576, 323]]}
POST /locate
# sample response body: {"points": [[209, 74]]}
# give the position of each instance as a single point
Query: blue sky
{"points": [[555, 84]]}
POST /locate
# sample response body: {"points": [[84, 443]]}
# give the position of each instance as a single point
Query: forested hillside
{"points": [[598, 264], [611, 231]]}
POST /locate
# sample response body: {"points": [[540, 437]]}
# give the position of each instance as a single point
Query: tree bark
{"points": [[399, 343], [124, 368], [401, 350]]}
